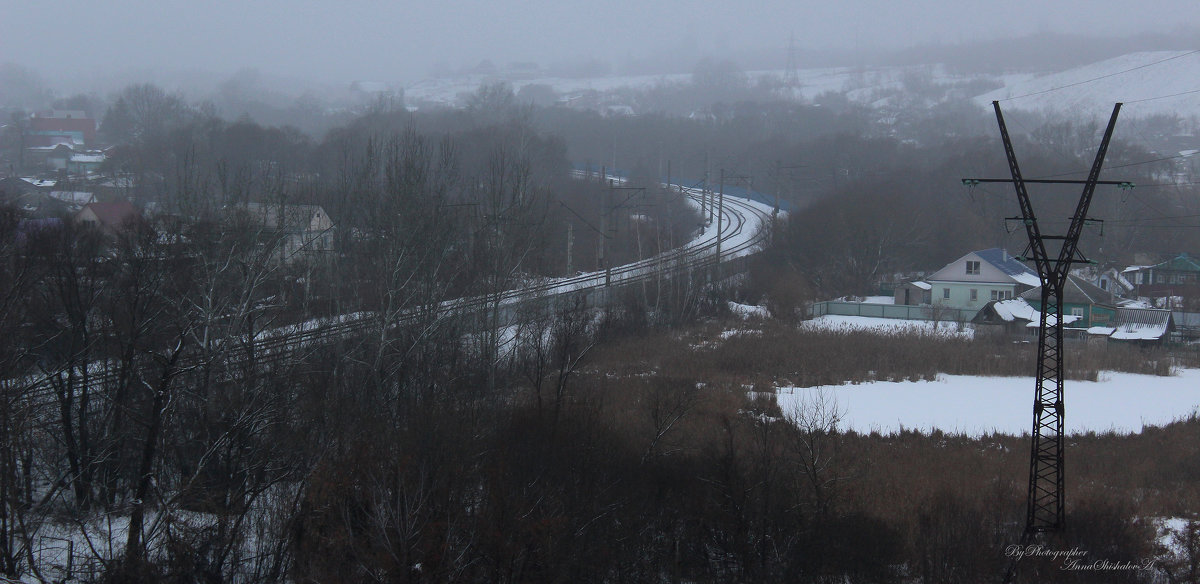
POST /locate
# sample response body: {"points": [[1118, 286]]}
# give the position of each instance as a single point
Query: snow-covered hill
{"points": [[1149, 83], [1167, 81]]}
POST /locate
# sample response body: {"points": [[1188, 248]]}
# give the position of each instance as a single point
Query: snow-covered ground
{"points": [[1122, 402], [1149, 83], [1093, 89], [747, 311], [889, 326]]}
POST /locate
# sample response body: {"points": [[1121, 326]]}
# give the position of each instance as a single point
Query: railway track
{"points": [[741, 235]]}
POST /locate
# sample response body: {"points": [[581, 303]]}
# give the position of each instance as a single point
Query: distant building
{"points": [[1177, 279], [305, 231], [113, 217], [73, 200], [1081, 299], [60, 127], [979, 277]]}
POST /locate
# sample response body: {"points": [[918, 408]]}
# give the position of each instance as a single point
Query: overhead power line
{"points": [[1114, 74]]}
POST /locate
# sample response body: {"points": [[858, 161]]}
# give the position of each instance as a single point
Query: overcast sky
{"points": [[400, 41]]}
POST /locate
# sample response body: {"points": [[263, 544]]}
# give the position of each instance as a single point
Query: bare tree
{"points": [[815, 443]]}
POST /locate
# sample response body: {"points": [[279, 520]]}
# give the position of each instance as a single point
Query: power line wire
{"points": [[1163, 96], [1114, 74]]}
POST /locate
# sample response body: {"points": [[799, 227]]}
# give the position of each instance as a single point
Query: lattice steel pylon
{"points": [[1046, 485]]}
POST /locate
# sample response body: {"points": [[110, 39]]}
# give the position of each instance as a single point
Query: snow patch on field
{"points": [[1120, 402], [747, 311], [888, 326]]}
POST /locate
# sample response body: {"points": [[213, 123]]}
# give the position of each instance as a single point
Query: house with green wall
{"points": [[1093, 306]]}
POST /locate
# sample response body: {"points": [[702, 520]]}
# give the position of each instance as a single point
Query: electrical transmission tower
{"points": [[792, 75], [1045, 504]]}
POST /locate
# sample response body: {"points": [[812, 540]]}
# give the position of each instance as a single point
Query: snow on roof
{"points": [[1019, 309], [1050, 320], [1136, 324], [923, 285], [76, 197], [1139, 333], [1134, 303], [1027, 279], [1016, 308], [86, 158]]}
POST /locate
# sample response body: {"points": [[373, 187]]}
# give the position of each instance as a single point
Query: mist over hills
{"points": [[1033, 54]]}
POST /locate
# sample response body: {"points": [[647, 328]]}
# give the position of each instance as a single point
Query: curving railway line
{"points": [[740, 235]]}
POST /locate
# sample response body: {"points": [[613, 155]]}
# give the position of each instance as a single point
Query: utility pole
{"points": [[570, 244], [706, 194], [604, 202], [776, 180], [720, 215], [721, 210], [1045, 511]]}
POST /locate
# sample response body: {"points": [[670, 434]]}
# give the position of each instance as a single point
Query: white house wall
{"points": [[959, 284]]}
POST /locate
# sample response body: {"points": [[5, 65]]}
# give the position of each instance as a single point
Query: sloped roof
{"points": [[1005, 262], [114, 213], [1182, 263], [1076, 291], [1141, 324]]}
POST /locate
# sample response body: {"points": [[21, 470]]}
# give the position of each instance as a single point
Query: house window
{"points": [[974, 295], [972, 268], [1077, 311], [995, 295], [946, 293]]}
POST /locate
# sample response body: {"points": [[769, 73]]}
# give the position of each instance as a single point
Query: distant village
{"points": [[1149, 303], [66, 178]]}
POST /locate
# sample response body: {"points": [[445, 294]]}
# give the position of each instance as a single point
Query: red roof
{"points": [[47, 125]]}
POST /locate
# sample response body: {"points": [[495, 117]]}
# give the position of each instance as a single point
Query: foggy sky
{"points": [[399, 42]]}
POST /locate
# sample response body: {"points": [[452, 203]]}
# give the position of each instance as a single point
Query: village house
{"points": [[970, 282], [1081, 299], [60, 127], [1176, 279], [112, 218], [305, 232]]}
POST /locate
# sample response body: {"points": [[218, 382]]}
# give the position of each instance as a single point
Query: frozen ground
{"points": [[1121, 402]]}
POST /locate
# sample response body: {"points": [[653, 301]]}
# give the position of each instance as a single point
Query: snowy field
{"points": [[1121, 402]]}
